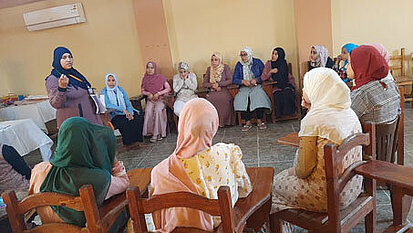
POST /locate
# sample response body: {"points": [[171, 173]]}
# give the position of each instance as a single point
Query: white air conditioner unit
{"points": [[55, 17]]}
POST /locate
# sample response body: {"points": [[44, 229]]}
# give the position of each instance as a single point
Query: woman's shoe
{"points": [[245, 128], [153, 139], [262, 126], [159, 138]]}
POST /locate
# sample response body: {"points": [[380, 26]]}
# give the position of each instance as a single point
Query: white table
{"points": [[40, 112], [25, 136]]}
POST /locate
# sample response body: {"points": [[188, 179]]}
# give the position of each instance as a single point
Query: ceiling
{"points": [[11, 3]]}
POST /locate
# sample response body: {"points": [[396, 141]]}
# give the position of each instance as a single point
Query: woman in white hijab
{"points": [[251, 96], [184, 84], [329, 120], [319, 57], [123, 116]]}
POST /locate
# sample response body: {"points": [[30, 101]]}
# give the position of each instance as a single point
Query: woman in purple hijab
{"points": [[154, 86]]}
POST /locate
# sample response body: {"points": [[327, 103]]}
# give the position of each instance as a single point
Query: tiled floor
{"points": [[260, 148]]}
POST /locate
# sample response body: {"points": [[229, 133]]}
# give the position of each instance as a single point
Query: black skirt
{"points": [[131, 130]]}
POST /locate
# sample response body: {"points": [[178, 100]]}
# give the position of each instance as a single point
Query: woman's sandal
{"points": [[262, 126], [245, 128]]}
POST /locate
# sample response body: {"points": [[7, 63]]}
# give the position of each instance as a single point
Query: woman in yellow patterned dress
{"points": [[199, 167], [329, 120]]}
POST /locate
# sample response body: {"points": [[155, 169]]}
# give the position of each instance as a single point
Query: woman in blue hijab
{"points": [[68, 90], [123, 116], [344, 56]]}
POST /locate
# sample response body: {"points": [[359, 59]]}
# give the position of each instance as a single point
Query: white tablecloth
{"points": [[25, 136], [40, 113]]}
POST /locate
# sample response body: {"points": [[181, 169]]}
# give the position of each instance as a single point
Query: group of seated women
{"points": [[198, 166]]}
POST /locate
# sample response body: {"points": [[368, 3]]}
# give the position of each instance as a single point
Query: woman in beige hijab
{"points": [[329, 120]]}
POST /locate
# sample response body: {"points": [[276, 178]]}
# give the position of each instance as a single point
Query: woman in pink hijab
{"points": [[154, 86], [382, 50], [197, 166]]}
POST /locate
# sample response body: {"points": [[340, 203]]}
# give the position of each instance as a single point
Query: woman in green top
{"points": [[85, 154]]}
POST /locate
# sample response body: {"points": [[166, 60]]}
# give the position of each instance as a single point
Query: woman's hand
{"points": [[215, 86], [63, 81], [305, 104], [246, 83], [156, 96], [218, 89], [254, 82], [274, 71], [128, 115]]}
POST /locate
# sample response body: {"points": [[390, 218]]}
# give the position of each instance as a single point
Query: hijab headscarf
{"points": [[330, 115], [382, 50], [153, 83], [348, 47], [216, 72], [322, 56], [246, 66], [115, 95], [368, 65], [84, 154], [281, 77], [76, 79], [197, 126], [183, 65]]}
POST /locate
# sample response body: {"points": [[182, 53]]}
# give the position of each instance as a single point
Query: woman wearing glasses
{"points": [[217, 77], [251, 96]]}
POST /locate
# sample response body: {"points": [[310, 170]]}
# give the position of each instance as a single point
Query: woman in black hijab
{"points": [[284, 91]]}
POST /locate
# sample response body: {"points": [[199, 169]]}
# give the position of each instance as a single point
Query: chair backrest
{"points": [[334, 156], [97, 220], [139, 206], [388, 137], [399, 61]]}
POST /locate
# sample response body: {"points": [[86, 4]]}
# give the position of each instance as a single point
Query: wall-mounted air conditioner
{"points": [[55, 17]]}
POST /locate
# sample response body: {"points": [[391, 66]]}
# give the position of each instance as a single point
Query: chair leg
{"points": [[275, 224], [370, 222], [239, 118]]}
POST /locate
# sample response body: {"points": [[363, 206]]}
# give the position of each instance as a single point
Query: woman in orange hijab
{"points": [[197, 166]]}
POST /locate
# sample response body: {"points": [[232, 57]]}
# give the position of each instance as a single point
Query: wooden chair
{"points": [[336, 220], [400, 76], [252, 210], [98, 220], [400, 178]]}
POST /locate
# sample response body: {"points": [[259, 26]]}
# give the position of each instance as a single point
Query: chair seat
{"points": [[316, 221], [404, 80]]}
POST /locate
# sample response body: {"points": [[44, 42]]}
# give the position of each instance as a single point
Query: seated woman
{"points": [[154, 86], [85, 154], [217, 77], [284, 92], [375, 97], [344, 56], [329, 120], [184, 84], [319, 57], [197, 166], [251, 96], [14, 172], [123, 117], [383, 51]]}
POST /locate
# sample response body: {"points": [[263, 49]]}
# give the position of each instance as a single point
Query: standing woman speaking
{"points": [[68, 91]]}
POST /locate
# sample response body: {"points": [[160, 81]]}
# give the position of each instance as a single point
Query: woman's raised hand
{"points": [[63, 81]]}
